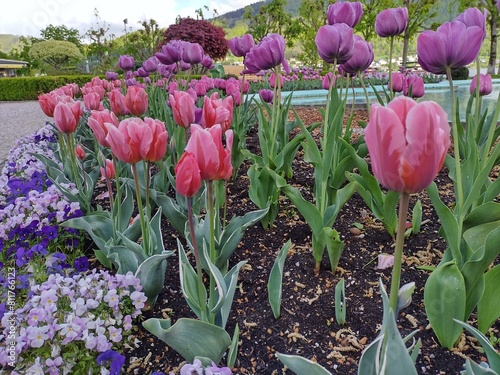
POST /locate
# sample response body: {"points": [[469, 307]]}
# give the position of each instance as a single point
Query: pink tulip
{"points": [[96, 122], [80, 152], [417, 86], [136, 100], [327, 80], [213, 159], [187, 175], [92, 101], [182, 105], [233, 88], [155, 149], [67, 116], [217, 111], [398, 81], [117, 102], [109, 170], [126, 139], [48, 103], [407, 142]]}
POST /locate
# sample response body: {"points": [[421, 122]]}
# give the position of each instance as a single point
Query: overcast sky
{"points": [[28, 17]]}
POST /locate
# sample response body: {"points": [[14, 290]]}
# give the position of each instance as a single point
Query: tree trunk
{"points": [[493, 42], [406, 42]]}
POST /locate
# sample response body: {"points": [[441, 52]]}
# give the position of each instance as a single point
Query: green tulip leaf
{"points": [[191, 338], [445, 298], [488, 308], [151, 273], [274, 284], [300, 365]]}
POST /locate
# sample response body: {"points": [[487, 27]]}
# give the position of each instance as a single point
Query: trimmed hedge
{"points": [[28, 88]]}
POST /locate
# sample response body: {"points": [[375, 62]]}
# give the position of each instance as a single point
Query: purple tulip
{"points": [[391, 22], [112, 76], [170, 53], [269, 53], [126, 62], [452, 45], [361, 58], [241, 46], [327, 80], [151, 64], [335, 43], [266, 95], [345, 12], [185, 66], [473, 17], [485, 84], [192, 53], [141, 72], [416, 84], [207, 62]]}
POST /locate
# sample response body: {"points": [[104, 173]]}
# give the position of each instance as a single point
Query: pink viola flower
{"points": [[345, 12], [407, 142], [67, 116], [214, 160], [96, 122], [136, 100], [217, 111], [182, 105]]}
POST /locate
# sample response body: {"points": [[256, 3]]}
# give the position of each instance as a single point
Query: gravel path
{"points": [[18, 119]]}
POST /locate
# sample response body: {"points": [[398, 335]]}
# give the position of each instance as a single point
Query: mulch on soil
{"points": [[307, 324]]}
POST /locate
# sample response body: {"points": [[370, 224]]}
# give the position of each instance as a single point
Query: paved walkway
{"points": [[18, 119]]}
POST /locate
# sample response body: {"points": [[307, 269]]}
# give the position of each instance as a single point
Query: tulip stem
{"points": [[456, 147], [391, 91], [196, 252], [118, 192], [404, 200], [274, 116], [478, 97], [144, 224], [70, 139], [211, 218], [367, 98]]}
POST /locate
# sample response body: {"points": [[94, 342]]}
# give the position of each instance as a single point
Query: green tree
{"points": [[100, 41], [312, 15], [63, 33], [143, 43], [56, 53], [272, 18], [22, 53]]}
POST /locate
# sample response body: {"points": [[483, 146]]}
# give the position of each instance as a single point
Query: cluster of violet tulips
{"points": [[152, 133]]}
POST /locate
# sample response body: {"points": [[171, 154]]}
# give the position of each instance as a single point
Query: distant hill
{"points": [[8, 42], [443, 13], [231, 18]]}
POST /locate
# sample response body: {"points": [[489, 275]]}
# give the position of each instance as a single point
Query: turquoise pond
{"points": [[438, 92]]}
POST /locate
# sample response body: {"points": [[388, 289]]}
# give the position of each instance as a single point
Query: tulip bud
{"points": [[79, 152], [485, 84], [112, 76], [136, 100], [416, 84], [187, 175], [266, 95], [117, 102], [398, 81], [67, 116], [108, 171]]}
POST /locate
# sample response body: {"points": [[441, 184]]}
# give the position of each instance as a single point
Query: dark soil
{"points": [[307, 324]]}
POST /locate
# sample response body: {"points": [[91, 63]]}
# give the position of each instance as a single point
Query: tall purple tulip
{"points": [[345, 12], [416, 84], [391, 22], [241, 46], [192, 53], [170, 53], [362, 57], [269, 53], [452, 45], [150, 65], [473, 17], [126, 62], [335, 43], [266, 95]]}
